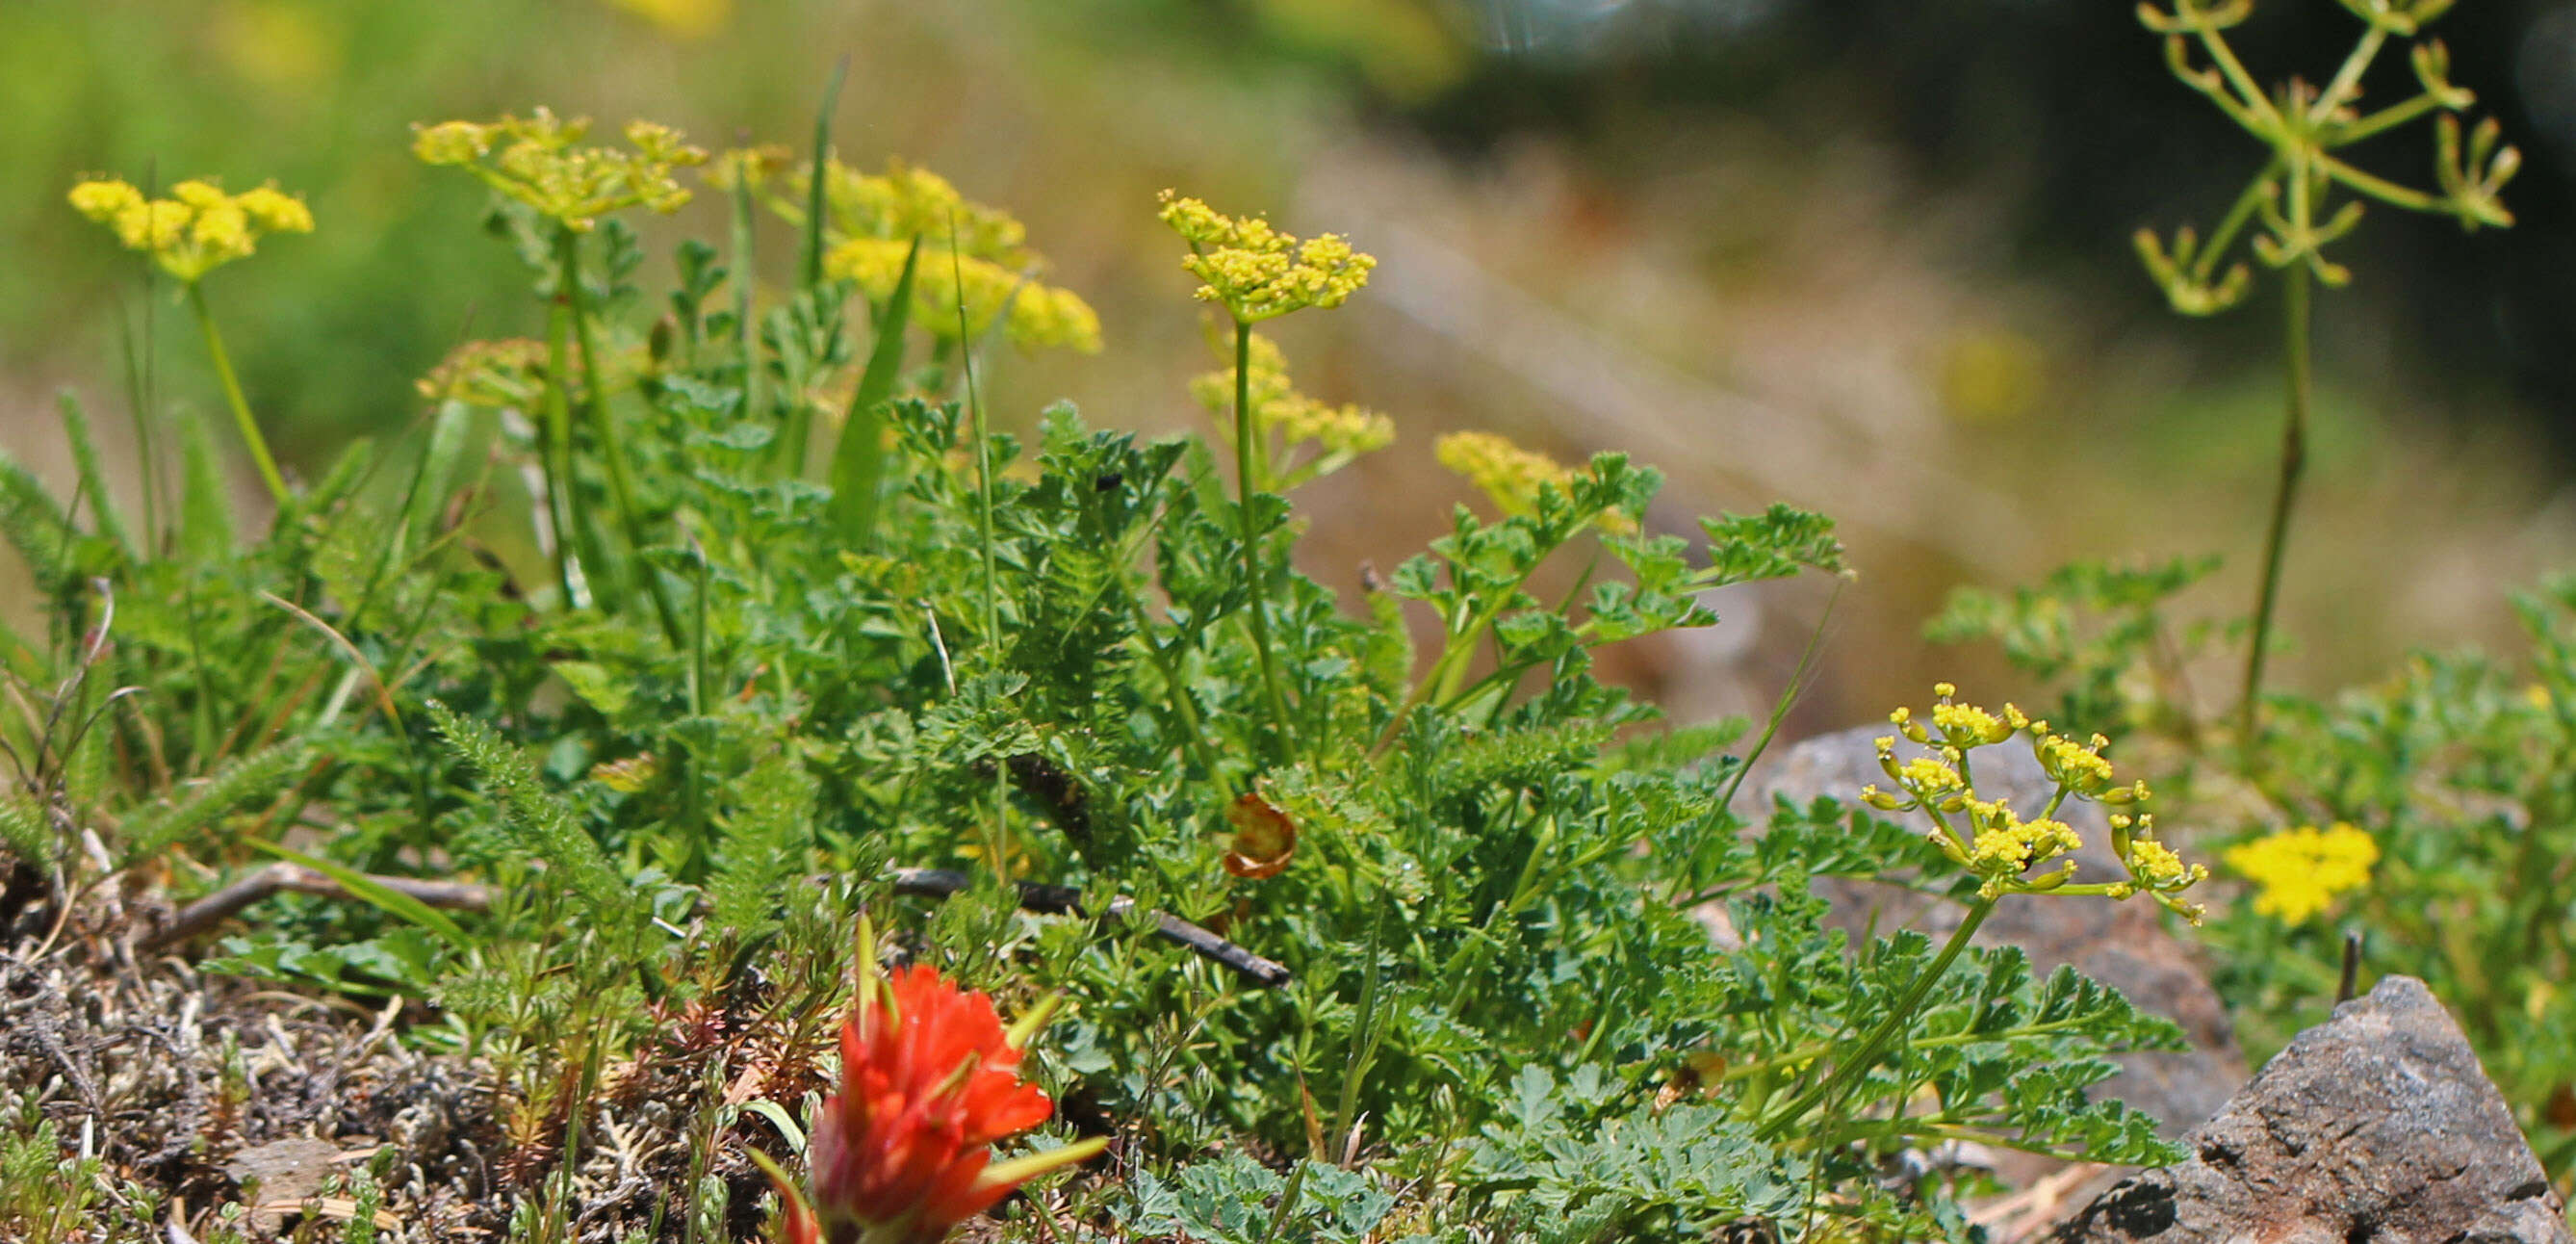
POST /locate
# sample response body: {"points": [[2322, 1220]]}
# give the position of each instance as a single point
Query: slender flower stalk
{"points": [[1989, 840], [198, 229], [2301, 128], [242, 419], [2294, 462], [929, 1083], [1258, 273], [603, 426], [1247, 473]]}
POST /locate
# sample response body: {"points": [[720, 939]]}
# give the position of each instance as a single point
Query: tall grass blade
{"points": [[811, 267], [375, 894], [858, 462]]}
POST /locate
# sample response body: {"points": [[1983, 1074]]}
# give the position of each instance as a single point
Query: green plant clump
{"points": [[572, 733]]}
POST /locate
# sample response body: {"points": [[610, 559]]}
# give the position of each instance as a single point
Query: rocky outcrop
{"points": [[2378, 1125]]}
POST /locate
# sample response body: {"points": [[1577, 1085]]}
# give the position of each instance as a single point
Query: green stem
{"points": [[603, 427], [2347, 79], [1247, 471], [2221, 238], [1193, 735], [2378, 187], [1902, 1013], [746, 336], [233, 395], [2384, 120], [1441, 678], [577, 555], [2294, 457]]}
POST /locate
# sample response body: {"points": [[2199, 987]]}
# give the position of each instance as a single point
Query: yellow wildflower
{"points": [[2300, 871], [1988, 838], [274, 210], [1507, 474], [1257, 271], [2157, 862], [198, 228], [104, 200], [1513, 477], [505, 374], [969, 252], [451, 142], [1040, 315], [541, 164], [1968, 725], [2073, 765], [2006, 845], [906, 202], [1925, 776]]}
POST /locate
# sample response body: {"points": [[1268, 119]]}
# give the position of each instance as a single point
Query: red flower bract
{"points": [[929, 1081]]}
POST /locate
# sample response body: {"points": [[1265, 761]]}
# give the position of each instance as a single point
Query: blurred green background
{"points": [[1869, 257]]}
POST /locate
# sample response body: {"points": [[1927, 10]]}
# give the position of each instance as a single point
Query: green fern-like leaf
{"points": [[764, 845], [241, 780], [540, 824]]}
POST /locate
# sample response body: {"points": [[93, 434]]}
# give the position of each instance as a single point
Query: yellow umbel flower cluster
{"points": [[1259, 272], [1513, 477], [1338, 433], [971, 253], [538, 160], [198, 228], [2006, 843], [1040, 315], [504, 374], [1991, 839], [2300, 871]]}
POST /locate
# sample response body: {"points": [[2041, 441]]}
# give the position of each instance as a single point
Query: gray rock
{"points": [[2123, 945], [2376, 1125]]}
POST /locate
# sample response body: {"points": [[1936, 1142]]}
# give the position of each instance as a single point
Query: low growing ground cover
{"points": [[705, 782]]}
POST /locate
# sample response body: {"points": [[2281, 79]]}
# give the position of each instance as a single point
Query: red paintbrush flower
{"points": [[929, 1081]]}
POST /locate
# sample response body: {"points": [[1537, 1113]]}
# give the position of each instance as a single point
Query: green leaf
{"points": [[102, 503], [812, 265], [375, 894], [858, 462], [541, 825], [243, 779]]}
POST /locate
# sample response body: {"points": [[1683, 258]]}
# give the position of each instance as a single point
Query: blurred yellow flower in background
{"points": [[683, 19], [198, 228], [1511, 476], [2300, 871]]}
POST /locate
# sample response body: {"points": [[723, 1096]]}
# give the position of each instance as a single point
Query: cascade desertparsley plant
{"points": [[1256, 271], [2300, 872], [541, 163], [1992, 840], [198, 229]]}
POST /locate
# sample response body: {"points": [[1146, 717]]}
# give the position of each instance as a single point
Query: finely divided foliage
{"points": [[679, 699]]}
